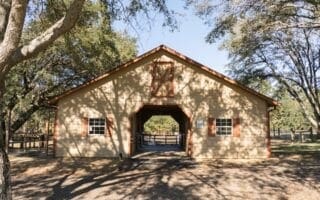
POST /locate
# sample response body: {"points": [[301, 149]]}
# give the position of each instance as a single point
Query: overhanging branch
{"points": [[12, 35], [50, 35]]}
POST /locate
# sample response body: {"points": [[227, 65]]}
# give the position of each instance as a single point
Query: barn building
{"points": [[217, 116]]}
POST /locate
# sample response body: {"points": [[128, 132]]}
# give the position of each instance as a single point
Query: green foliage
{"points": [[90, 49], [272, 40], [288, 115], [161, 124]]}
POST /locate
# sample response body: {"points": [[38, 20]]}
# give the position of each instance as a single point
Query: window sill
{"points": [[96, 135]]}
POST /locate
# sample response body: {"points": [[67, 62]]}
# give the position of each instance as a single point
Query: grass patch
{"points": [[313, 147]]}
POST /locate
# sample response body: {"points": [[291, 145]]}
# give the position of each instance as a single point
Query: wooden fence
{"points": [[149, 139], [300, 135], [27, 141]]}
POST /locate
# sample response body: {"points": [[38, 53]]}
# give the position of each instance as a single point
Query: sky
{"points": [[189, 39]]}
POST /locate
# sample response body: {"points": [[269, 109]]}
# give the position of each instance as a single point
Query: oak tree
{"points": [[14, 14], [277, 40]]}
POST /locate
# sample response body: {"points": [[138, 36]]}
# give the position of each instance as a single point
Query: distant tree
{"points": [[288, 115], [161, 124], [272, 39]]}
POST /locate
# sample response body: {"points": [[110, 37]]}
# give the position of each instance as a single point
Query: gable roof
{"points": [[270, 101]]}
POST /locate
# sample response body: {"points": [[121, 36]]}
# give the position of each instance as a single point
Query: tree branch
{"points": [[50, 35], [5, 6], [13, 32]]}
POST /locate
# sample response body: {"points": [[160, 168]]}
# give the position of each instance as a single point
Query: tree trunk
{"points": [[5, 179], [5, 182], [23, 118], [8, 131], [11, 54]]}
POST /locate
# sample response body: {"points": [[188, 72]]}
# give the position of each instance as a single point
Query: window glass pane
{"points": [[224, 126], [96, 122], [223, 122], [218, 122], [96, 125], [229, 123]]}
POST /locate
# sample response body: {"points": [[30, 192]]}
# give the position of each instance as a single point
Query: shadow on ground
{"points": [[151, 176]]}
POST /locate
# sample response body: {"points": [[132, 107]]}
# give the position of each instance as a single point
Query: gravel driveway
{"points": [[166, 177]]}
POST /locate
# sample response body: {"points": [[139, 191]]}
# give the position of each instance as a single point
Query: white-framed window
{"points": [[224, 126], [97, 126]]}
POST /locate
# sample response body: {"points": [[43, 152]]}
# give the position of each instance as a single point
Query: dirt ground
{"points": [[154, 177]]}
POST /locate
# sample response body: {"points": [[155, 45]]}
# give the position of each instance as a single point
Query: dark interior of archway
{"points": [[145, 113]]}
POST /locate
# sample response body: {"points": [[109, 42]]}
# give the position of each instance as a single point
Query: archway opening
{"points": [[161, 125], [160, 128]]}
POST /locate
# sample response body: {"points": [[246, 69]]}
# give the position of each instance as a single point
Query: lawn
{"points": [[283, 146]]}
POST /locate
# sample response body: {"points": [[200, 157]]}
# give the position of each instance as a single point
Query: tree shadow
{"points": [[169, 178]]}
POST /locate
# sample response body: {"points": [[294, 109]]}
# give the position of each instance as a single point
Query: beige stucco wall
{"points": [[197, 92]]}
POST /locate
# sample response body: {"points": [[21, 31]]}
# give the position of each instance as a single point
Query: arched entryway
{"points": [[142, 141]]}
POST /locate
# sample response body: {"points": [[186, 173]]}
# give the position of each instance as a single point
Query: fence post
{"points": [[30, 141], [300, 135], [24, 142], [143, 139], [274, 132], [311, 134], [21, 138], [292, 135], [278, 132]]}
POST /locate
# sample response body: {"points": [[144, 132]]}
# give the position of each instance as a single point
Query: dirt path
{"points": [[288, 177]]}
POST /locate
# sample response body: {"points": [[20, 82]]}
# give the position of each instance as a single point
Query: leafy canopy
{"points": [[87, 51], [275, 40], [161, 124]]}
